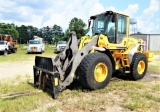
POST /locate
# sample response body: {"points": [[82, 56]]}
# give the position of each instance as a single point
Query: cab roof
{"points": [[108, 12]]}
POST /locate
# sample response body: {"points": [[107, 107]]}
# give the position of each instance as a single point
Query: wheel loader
{"points": [[92, 60]]}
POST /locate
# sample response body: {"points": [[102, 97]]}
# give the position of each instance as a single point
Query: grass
{"points": [[141, 101], [156, 52], [21, 54], [52, 109], [21, 104], [123, 95], [156, 87], [154, 65]]}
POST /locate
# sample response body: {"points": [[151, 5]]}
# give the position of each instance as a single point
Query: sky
{"points": [[40, 13]]}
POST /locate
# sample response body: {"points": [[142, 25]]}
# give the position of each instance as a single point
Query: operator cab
{"points": [[111, 24]]}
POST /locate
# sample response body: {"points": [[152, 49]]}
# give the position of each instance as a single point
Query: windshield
{"points": [[2, 43], [62, 42], [34, 42], [103, 24]]}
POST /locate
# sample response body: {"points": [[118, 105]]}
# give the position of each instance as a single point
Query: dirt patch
{"points": [[151, 76], [10, 70]]}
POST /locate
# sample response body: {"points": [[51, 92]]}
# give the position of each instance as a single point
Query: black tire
{"points": [[5, 53], [39, 52], [138, 59], [86, 69], [14, 50]]}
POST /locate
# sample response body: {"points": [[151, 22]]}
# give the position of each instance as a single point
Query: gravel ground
{"points": [[10, 70]]}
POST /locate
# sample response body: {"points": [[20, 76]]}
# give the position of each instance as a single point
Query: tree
{"points": [[9, 29], [57, 33], [56, 39], [78, 26], [57, 30], [139, 32], [66, 35], [27, 33], [23, 34], [47, 34]]}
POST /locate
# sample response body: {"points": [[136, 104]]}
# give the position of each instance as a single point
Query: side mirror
{"points": [[114, 17]]}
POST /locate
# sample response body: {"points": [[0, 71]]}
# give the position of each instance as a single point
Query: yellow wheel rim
{"points": [[100, 72], [141, 67]]}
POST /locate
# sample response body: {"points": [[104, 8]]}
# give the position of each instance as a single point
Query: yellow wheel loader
{"points": [[93, 59]]}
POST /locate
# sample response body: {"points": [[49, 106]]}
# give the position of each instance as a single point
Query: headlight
{"points": [[2, 48], [38, 47]]}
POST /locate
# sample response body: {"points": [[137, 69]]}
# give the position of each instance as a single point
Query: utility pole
{"points": [[159, 23], [159, 15]]}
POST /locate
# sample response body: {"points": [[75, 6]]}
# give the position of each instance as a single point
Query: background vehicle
{"points": [[7, 44], [60, 46], [93, 60], [36, 46]]}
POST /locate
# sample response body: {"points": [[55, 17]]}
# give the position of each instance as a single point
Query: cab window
{"points": [[121, 28]]}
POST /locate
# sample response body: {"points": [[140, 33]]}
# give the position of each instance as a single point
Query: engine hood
{"points": [[61, 44], [2, 45]]}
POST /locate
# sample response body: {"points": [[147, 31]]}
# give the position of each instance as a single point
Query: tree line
{"points": [[50, 34]]}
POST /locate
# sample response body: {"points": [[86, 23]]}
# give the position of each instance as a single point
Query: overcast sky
{"points": [[41, 13]]}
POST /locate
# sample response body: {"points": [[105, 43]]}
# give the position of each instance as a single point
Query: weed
{"points": [[152, 97], [140, 101], [21, 104], [156, 87], [28, 78], [53, 109], [18, 78]]}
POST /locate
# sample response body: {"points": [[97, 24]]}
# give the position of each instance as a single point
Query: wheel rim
{"points": [[141, 67], [100, 72]]}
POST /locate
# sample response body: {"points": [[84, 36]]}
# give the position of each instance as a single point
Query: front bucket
{"points": [[45, 63], [46, 75]]}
